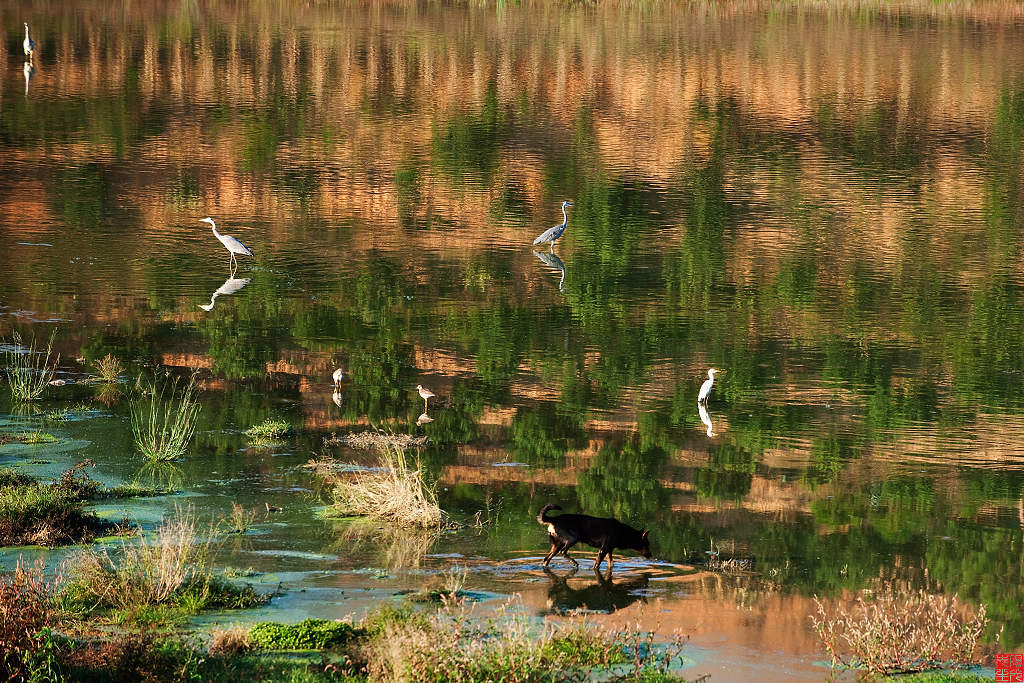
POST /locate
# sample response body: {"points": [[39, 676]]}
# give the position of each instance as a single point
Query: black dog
{"points": [[606, 535]]}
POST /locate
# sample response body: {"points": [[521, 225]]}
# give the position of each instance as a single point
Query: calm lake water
{"points": [[825, 202]]}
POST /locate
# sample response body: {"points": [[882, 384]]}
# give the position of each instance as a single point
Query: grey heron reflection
{"points": [[702, 412], [30, 70], [552, 234], [551, 259], [230, 286]]}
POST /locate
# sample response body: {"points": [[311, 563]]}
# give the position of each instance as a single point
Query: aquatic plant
{"points": [[173, 567], [109, 368], [164, 417], [377, 439], [270, 429], [896, 630], [239, 520], [311, 634], [28, 371], [393, 491]]}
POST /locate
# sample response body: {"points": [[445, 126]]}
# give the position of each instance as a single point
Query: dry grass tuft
{"points": [[229, 642], [394, 492], [377, 439], [109, 368], [900, 630]]}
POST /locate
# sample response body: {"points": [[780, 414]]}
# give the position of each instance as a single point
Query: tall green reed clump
{"points": [[164, 416], [29, 372]]}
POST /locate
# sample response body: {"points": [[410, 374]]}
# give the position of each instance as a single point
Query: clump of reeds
{"points": [[109, 368], [174, 567], [394, 491], [164, 417], [899, 630], [239, 520], [228, 642], [28, 371], [269, 429]]}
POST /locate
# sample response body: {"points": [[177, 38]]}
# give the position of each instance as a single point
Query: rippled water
{"points": [[823, 201]]}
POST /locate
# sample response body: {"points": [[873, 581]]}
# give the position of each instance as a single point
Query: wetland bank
{"points": [[823, 200]]}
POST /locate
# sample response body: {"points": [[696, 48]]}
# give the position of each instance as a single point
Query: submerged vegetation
{"points": [[28, 371], [164, 417]]}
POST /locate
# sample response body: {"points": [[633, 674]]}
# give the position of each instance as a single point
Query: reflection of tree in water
{"points": [[541, 437], [728, 474], [624, 483]]}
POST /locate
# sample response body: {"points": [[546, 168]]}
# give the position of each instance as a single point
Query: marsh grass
{"points": [[395, 492], [898, 630], [171, 568], [35, 437], [239, 520], [109, 368], [164, 417], [29, 372]]}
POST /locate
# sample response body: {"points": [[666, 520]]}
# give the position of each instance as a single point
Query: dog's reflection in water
{"points": [[605, 595]]}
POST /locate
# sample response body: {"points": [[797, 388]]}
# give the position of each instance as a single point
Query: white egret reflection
{"points": [[551, 259], [337, 397], [702, 411], [29, 70], [230, 286]]}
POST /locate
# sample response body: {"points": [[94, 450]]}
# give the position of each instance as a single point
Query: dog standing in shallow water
{"points": [[606, 535]]}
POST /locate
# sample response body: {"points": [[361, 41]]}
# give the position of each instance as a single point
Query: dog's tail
{"points": [[542, 517]]}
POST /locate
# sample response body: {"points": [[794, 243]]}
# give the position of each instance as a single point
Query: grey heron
{"points": [[424, 394], [338, 375], [552, 234], [28, 43], [233, 246], [230, 286], [705, 388]]}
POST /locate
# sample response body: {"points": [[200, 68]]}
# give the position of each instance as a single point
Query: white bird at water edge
{"points": [[705, 388], [28, 43], [230, 243]]}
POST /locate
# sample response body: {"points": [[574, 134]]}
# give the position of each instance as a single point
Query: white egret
{"points": [[338, 375], [424, 394], [552, 234], [230, 243], [28, 43], [705, 388]]}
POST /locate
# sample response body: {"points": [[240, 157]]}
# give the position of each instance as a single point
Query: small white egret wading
{"points": [[705, 388], [338, 375], [424, 394], [233, 246], [28, 43], [552, 234]]}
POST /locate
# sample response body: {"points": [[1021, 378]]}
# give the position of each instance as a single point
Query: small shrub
{"points": [[900, 631], [109, 368], [394, 492], [25, 642], [34, 513], [29, 372], [311, 634], [164, 418]]}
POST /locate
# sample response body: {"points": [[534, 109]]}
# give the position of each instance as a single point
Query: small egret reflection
{"points": [[702, 411], [230, 286], [551, 235], [705, 388], [233, 246], [423, 419]]}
